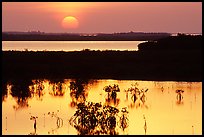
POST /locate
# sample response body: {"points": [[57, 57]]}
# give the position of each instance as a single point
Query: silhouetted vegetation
{"points": [[179, 96], [94, 119], [123, 123], [174, 58], [138, 96], [59, 121], [34, 125], [181, 43], [112, 93]]}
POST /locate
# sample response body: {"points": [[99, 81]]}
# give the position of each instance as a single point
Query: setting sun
{"points": [[102, 68], [70, 22]]}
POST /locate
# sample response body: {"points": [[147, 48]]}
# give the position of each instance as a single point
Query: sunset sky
{"points": [[102, 17]]}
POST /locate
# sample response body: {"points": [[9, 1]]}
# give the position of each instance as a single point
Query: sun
{"points": [[70, 22]]}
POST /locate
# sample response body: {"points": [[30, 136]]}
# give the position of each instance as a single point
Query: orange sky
{"points": [[107, 17]]}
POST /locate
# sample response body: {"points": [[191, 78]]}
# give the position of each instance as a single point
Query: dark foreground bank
{"points": [[169, 59]]}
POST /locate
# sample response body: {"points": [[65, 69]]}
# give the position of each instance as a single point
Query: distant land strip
{"points": [[41, 36]]}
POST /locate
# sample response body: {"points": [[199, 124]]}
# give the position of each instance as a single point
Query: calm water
{"points": [[69, 45], [161, 111]]}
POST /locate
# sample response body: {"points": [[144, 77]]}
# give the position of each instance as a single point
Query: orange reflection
{"points": [[37, 89], [57, 89], [156, 113]]}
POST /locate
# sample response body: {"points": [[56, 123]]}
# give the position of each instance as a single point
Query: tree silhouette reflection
{"points": [[37, 89], [94, 119], [4, 91], [20, 91], [57, 88], [78, 92]]}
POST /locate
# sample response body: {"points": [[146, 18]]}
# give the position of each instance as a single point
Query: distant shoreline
{"points": [[40, 36]]}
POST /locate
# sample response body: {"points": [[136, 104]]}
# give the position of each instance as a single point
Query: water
{"points": [[69, 45], [161, 112]]}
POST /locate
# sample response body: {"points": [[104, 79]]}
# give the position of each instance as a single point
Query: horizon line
{"points": [[37, 31]]}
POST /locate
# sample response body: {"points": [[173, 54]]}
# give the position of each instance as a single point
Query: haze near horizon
{"points": [[102, 17]]}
